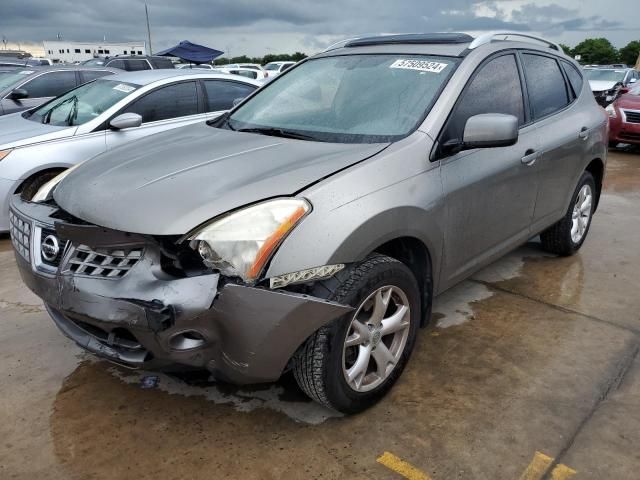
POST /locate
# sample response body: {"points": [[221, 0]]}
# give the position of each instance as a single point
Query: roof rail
{"points": [[339, 44], [491, 36]]}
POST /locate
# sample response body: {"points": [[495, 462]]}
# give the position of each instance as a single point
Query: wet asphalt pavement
{"points": [[531, 366]]}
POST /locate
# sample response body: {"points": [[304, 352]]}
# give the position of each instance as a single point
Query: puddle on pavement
{"points": [[455, 306], [283, 397]]}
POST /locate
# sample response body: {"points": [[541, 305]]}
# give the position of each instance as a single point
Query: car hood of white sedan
{"points": [[17, 131], [601, 85]]}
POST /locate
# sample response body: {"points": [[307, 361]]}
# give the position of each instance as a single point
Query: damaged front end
{"points": [[145, 301]]}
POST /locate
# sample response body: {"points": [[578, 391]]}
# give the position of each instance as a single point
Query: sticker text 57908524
{"points": [[420, 65]]}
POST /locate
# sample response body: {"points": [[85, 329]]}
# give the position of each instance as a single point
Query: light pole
{"points": [[146, 11]]}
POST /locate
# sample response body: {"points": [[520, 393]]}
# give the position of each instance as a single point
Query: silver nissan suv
{"points": [[310, 228]]}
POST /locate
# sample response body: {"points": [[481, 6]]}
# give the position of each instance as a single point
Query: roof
{"points": [[146, 77]]}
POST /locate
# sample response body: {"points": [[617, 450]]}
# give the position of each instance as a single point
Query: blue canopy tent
{"points": [[192, 52]]}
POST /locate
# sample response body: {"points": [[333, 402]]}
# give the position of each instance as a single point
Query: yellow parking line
{"points": [[562, 472], [537, 467], [403, 468]]}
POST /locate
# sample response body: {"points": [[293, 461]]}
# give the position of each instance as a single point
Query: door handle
{"points": [[530, 157], [584, 133]]}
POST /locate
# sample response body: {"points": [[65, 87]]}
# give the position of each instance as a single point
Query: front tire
{"points": [[567, 236], [351, 363]]}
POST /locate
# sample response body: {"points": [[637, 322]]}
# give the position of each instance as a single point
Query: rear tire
{"points": [[33, 184], [351, 363], [567, 236]]}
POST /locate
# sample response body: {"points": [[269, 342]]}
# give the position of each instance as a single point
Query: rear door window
{"points": [[222, 93], [545, 84], [136, 65], [117, 64], [173, 101], [496, 88], [52, 84]]}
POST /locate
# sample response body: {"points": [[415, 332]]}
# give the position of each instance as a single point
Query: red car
{"points": [[624, 118]]}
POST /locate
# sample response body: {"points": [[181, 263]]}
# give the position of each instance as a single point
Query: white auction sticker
{"points": [[420, 65], [124, 88], [26, 72]]}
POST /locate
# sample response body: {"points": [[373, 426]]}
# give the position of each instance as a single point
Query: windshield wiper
{"points": [[279, 132]]}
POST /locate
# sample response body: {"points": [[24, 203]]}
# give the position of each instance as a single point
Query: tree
{"points": [[596, 50], [629, 53], [567, 49]]}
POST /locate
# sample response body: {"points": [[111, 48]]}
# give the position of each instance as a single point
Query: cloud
{"points": [[257, 27]]}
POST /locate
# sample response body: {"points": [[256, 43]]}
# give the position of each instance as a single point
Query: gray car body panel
{"points": [[242, 168], [466, 209]]}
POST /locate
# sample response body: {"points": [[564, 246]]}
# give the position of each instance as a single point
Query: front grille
{"points": [[632, 117], [102, 263], [20, 231]]}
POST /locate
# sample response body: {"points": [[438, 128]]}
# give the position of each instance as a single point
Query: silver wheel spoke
{"points": [[585, 207], [356, 373], [360, 334], [395, 322], [581, 215], [381, 302], [384, 358]]}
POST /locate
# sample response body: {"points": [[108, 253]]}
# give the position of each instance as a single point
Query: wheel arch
{"points": [[596, 168], [413, 253], [32, 175]]}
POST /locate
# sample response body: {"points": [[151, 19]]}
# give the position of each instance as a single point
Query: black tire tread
{"points": [[309, 360], [557, 238]]}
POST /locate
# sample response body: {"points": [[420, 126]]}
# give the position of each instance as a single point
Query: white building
{"points": [[70, 52]]}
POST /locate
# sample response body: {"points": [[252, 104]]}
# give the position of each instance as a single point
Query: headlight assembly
{"points": [[241, 243], [611, 110], [5, 153]]}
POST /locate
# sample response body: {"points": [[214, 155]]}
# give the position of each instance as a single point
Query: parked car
{"points": [[274, 69], [310, 227], [244, 72], [624, 118], [37, 145], [29, 87], [607, 82], [23, 62], [202, 66], [132, 63]]}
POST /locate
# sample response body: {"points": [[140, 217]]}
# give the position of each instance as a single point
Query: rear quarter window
{"points": [[545, 84], [574, 76]]}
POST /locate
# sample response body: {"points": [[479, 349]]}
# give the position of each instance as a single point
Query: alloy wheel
{"points": [[376, 338], [581, 214]]}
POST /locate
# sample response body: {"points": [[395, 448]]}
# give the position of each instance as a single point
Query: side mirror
{"points": [[126, 120], [490, 130], [18, 94]]}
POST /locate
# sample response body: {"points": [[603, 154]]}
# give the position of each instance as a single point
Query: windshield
{"points": [[604, 74], [83, 103], [9, 79], [349, 99]]}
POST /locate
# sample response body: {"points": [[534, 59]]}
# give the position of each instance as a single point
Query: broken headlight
{"points": [[241, 243]]}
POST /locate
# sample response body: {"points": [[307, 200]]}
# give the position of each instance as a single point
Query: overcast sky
{"points": [[258, 27]]}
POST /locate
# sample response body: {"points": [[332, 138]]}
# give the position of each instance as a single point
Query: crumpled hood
{"points": [[601, 85], [16, 131], [169, 183]]}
